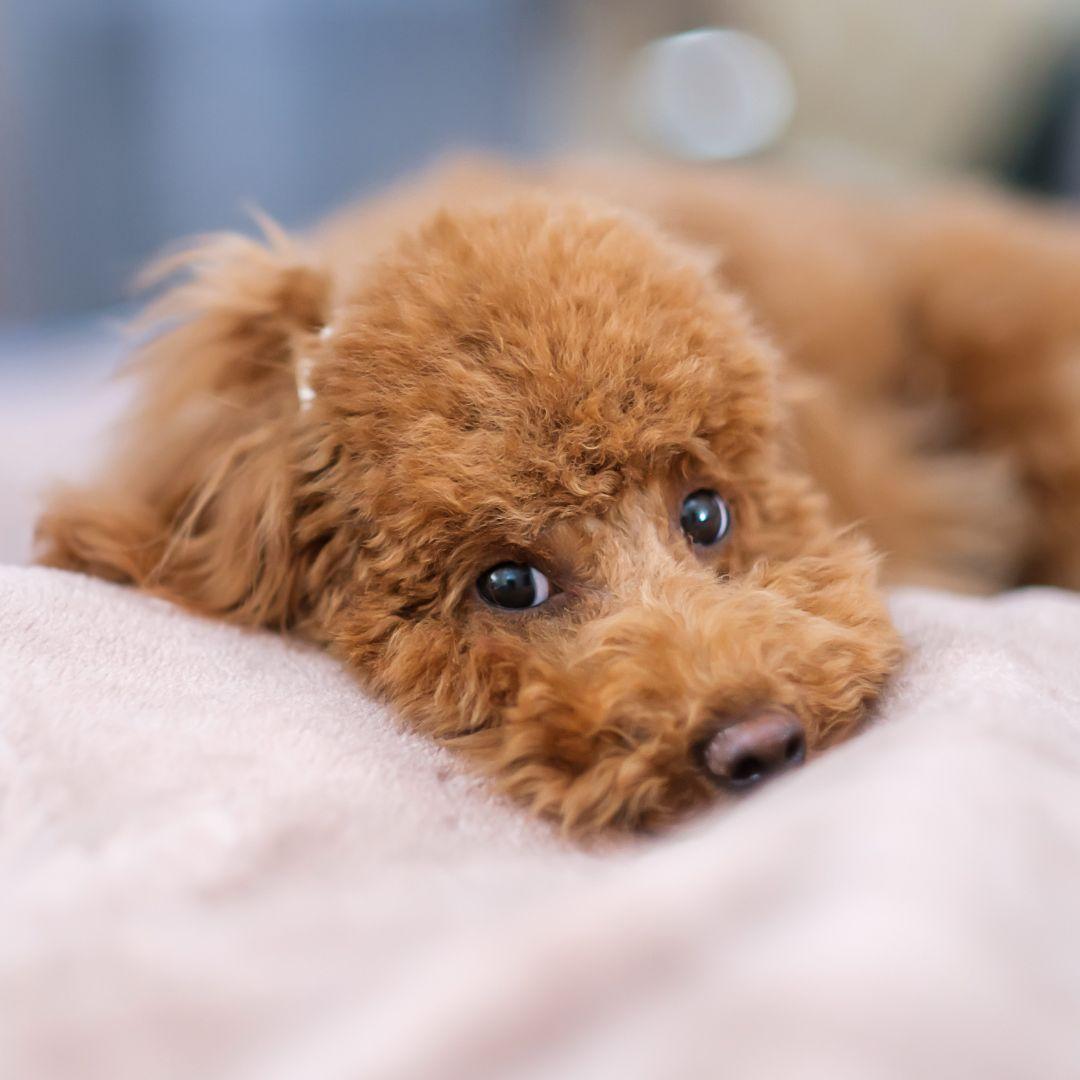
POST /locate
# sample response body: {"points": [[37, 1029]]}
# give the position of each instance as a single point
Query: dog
{"points": [[597, 473]]}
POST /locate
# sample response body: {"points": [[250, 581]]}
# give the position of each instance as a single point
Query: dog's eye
{"points": [[513, 585], [705, 517]]}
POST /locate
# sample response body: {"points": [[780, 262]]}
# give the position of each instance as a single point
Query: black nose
{"points": [[766, 742]]}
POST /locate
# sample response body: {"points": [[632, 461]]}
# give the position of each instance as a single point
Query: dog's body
{"points": [[577, 486]]}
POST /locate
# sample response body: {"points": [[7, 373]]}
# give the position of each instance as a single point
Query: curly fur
{"points": [[540, 368]]}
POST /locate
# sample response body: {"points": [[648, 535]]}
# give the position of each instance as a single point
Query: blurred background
{"points": [[125, 124]]}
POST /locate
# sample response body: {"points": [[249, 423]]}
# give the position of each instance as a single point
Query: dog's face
{"points": [[540, 502], [576, 548]]}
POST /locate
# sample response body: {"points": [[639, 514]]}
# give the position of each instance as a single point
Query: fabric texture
{"points": [[218, 858]]}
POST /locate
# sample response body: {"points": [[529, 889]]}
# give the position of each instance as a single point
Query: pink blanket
{"points": [[219, 859]]}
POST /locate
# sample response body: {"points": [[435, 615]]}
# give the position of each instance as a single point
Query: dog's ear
{"points": [[197, 502]]}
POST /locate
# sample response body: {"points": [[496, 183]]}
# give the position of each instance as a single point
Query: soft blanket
{"points": [[218, 858]]}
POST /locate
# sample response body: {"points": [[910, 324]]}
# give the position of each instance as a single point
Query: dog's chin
{"points": [[616, 789]]}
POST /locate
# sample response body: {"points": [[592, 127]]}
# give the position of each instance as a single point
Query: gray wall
{"points": [[127, 123]]}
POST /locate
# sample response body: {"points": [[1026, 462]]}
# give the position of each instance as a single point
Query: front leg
{"points": [[994, 288]]}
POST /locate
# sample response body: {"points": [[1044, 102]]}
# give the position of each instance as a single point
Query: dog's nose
{"points": [[757, 747]]}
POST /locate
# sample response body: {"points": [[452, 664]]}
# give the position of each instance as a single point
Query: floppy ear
{"points": [[197, 503]]}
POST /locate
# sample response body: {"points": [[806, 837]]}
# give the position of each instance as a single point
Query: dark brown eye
{"points": [[513, 585], [705, 517]]}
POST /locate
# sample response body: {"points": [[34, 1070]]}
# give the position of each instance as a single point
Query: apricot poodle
{"points": [[595, 473]]}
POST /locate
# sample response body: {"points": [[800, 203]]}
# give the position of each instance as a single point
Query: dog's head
{"points": [[539, 499]]}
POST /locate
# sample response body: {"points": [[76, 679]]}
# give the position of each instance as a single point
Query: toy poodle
{"points": [[596, 473]]}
